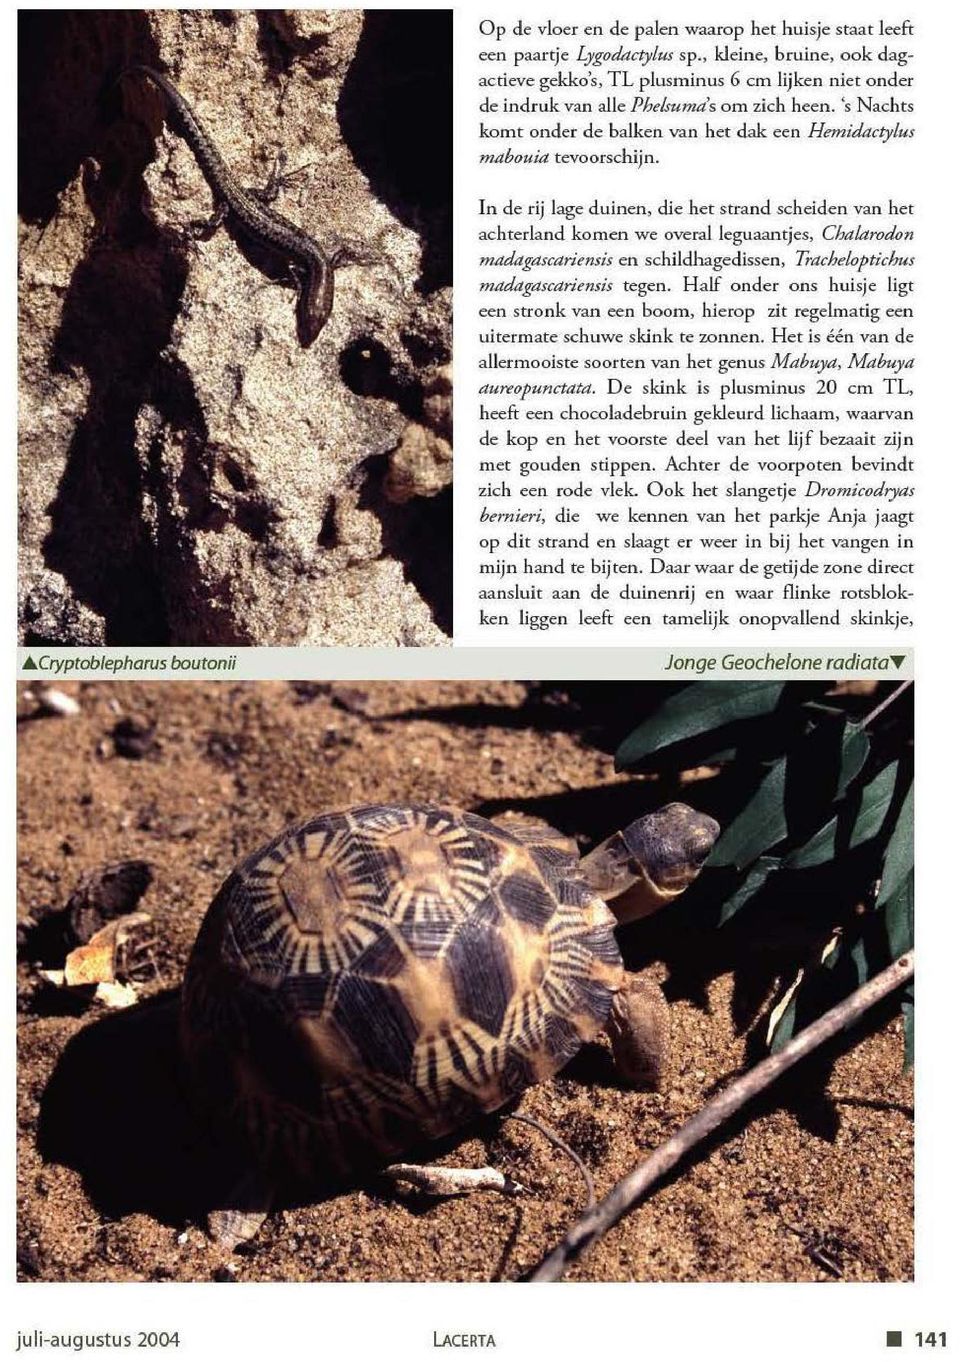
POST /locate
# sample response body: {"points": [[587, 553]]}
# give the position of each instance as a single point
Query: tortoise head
{"points": [[647, 864]]}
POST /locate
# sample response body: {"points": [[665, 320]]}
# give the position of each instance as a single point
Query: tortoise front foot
{"points": [[247, 1207], [639, 1030], [439, 1181]]}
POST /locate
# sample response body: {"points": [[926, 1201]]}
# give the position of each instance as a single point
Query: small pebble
{"points": [[53, 701], [134, 738]]}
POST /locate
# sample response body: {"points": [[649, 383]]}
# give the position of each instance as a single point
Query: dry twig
{"points": [[564, 1148], [894, 695], [626, 1194]]}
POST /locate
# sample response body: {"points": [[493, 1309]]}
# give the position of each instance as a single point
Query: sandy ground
{"points": [[115, 1176]]}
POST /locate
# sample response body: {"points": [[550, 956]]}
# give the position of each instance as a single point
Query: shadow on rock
{"points": [[396, 115], [419, 534], [67, 59], [116, 1110], [118, 308]]}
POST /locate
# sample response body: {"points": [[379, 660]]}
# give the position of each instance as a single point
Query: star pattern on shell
{"points": [[393, 972]]}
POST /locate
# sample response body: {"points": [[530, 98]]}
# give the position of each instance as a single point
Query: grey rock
{"points": [[189, 473]]}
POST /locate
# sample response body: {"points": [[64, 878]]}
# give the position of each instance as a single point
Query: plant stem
{"points": [[894, 695]]}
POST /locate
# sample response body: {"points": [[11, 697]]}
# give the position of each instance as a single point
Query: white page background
{"points": [[640, 1321]]}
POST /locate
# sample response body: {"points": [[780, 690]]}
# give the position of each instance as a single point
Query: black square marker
{"points": [[894, 1338]]}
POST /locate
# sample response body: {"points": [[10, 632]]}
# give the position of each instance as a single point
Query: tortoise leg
{"points": [[247, 1207], [639, 1030], [436, 1180], [441, 1181]]}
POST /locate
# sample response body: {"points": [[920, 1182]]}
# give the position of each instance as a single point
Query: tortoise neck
{"points": [[607, 868], [612, 874]]}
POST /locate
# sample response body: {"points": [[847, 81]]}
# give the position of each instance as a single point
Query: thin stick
{"points": [[630, 1189], [564, 1148], [894, 694]]}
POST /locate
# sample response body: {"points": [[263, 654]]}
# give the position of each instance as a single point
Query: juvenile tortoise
{"points": [[377, 977]]}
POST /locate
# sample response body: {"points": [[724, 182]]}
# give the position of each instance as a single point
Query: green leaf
{"points": [[898, 862], [767, 818], [698, 708], [874, 806], [755, 879], [853, 755], [898, 918], [785, 1025], [820, 848], [759, 826], [836, 836], [858, 954]]}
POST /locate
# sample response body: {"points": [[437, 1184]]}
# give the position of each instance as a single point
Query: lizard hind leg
{"points": [[204, 228]]}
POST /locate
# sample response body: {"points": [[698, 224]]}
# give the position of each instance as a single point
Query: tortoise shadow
{"points": [[116, 1110]]}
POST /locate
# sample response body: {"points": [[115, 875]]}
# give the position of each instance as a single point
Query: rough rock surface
{"points": [[190, 474]]}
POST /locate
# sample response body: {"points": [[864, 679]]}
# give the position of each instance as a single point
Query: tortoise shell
{"points": [[377, 977]]}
